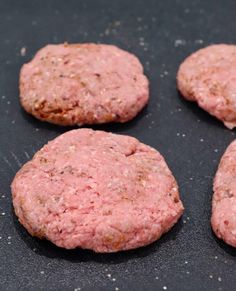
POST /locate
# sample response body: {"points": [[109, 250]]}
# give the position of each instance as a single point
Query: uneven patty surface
{"points": [[71, 84], [96, 190], [223, 218], [208, 77]]}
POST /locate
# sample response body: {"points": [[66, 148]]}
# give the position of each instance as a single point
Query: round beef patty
{"points": [[69, 84], [96, 190], [208, 77], [223, 218]]}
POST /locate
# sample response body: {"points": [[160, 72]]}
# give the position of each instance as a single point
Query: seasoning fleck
{"points": [[23, 51]]}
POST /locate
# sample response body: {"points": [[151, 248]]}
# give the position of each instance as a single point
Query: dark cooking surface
{"points": [[161, 33]]}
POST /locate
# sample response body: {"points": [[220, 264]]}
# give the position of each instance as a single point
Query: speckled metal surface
{"points": [[162, 34]]}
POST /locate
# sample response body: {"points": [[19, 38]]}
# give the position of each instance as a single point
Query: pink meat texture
{"points": [[208, 77], [70, 84], [96, 190], [223, 218]]}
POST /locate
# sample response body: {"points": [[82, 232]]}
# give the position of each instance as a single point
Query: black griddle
{"points": [[161, 34]]}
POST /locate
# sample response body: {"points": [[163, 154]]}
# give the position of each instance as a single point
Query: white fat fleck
{"points": [[113, 279], [77, 289], [41, 272], [201, 140], [117, 289], [72, 148], [233, 232], [9, 237], [3, 213], [186, 262], [157, 278], [187, 272], [3, 96], [210, 276], [109, 275], [219, 279], [164, 288], [216, 257], [183, 135]]}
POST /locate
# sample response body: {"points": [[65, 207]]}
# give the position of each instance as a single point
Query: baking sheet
{"points": [[161, 34]]}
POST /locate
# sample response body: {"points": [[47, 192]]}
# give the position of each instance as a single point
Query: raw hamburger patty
{"points": [[70, 84], [223, 218], [208, 77], [96, 190]]}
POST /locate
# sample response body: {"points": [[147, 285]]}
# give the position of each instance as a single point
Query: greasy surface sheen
{"points": [[224, 199], [72, 84], [208, 77], [96, 190]]}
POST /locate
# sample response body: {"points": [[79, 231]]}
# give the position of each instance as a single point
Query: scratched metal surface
{"points": [[161, 33]]}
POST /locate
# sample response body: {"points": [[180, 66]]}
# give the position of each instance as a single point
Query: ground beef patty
{"points": [[209, 77], [223, 218], [71, 84], [96, 190]]}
